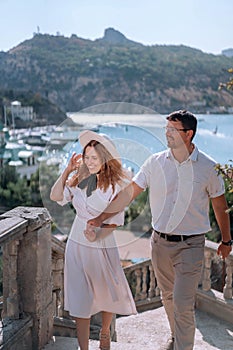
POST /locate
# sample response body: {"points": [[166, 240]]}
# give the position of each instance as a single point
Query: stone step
{"points": [[149, 330]]}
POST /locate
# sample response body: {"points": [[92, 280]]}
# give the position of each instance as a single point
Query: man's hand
{"points": [[224, 250], [94, 233], [97, 222]]}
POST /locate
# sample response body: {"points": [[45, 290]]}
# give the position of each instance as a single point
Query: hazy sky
{"points": [[203, 24]]}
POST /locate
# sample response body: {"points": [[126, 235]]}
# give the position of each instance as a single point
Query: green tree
{"points": [[14, 190], [227, 173], [36, 200], [138, 214], [229, 84]]}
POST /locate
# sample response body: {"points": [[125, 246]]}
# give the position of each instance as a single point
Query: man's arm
{"points": [[123, 198], [220, 210], [93, 233]]}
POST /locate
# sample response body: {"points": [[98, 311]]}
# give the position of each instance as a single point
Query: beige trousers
{"points": [[178, 267]]}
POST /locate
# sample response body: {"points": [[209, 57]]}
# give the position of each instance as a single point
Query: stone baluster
{"points": [[57, 273], [11, 259], [59, 303], [151, 292], [157, 291], [144, 282], [138, 273], [227, 290], [206, 282]]}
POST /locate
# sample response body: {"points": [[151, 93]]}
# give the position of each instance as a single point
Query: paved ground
{"points": [[149, 330], [132, 245]]}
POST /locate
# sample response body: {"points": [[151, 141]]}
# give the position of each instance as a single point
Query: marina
{"points": [[136, 137]]}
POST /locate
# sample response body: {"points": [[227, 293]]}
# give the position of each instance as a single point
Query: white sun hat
{"points": [[87, 135]]}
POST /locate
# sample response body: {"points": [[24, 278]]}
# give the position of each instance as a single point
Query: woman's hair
{"points": [[111, 171]]}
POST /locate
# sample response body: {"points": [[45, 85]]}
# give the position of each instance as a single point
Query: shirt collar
{"points": [[169, 153], [193, 156]]}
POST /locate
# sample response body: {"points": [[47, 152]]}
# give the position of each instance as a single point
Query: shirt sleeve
{"points": [[142, 178], [67, 196], [216, 185], [117, 219]]}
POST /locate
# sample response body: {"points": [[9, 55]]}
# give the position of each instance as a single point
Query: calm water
{"points": [[219, 145], [138, 136]]}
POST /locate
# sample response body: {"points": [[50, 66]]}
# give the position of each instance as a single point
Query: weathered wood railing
{"points": [[33, 294]]}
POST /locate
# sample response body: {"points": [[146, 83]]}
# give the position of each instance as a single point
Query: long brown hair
{"points": [[111, 171]]}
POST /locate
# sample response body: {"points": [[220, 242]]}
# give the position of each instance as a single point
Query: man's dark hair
{"points": [[188, 120]]}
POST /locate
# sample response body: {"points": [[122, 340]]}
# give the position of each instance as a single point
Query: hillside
{"points": [[75, 73], [45, 111]]}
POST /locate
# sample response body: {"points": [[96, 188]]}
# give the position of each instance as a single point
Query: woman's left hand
{"points": [[90, 233]]}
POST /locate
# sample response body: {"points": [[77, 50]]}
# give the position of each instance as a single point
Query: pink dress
{"points": [[94, 280]]}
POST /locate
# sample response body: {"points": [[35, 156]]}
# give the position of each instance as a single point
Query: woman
{"points": [[93, 277]]}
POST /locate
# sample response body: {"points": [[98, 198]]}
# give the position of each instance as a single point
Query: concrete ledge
{"points": [[148, 304], [214, 303], [12, 228], [17, 335], [64, 327]]}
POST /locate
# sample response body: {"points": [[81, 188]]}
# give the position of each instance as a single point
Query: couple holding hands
{"points": [[181, 181]]}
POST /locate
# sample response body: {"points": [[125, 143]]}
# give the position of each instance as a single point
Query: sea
{"points": [[137, 136]]}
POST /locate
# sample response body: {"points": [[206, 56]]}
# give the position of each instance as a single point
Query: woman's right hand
{"points": [[91, 233], [74, 162]]}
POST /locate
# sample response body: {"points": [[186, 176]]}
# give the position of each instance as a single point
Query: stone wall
{"points": [[25, 237]]}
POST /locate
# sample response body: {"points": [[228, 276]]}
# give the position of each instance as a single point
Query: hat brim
{"points": [[87, 135]]}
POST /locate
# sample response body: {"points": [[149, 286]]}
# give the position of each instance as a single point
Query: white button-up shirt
{"points": [[179, 193]]}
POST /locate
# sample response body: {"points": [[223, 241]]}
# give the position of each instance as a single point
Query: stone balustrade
{"points": [[215, 271], [218, 302], [27, 312], [33, 261]]}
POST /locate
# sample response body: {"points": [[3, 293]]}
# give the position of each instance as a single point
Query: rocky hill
{"points": [[75, 73]]}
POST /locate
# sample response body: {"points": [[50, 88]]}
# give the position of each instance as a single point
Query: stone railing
{"points": [[27, 312], [215, 272], [218, 302], [32, 306], [143, 285], [33, 261], [63, 324], [142, 281]]}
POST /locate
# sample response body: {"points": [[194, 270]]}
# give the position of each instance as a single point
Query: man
{"points": [[181, 181]]}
